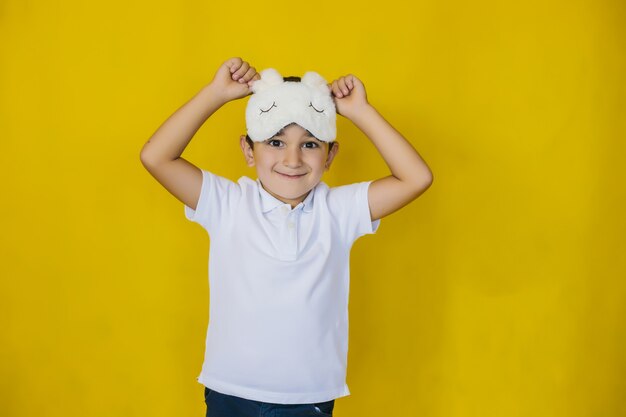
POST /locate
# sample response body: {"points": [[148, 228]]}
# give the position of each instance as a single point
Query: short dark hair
{"points": [[291, 78]]}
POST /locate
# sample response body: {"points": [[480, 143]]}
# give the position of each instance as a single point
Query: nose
{"points": [[292, 157]]}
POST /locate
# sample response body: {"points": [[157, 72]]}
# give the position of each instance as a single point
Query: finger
{"points": [[248, 75], [233, 64], [336, 90], [256, 77], [343, 86], [241, 71], [350, 81]]}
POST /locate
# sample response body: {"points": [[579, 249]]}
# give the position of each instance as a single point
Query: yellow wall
{"points": [[499, 292]]}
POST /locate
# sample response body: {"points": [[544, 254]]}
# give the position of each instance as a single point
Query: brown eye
{"points": [[319, 111], [265, 111], [274, 143]]}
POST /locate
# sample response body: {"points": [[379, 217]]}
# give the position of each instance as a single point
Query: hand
{"points": [[349, 95], [234, 78]]}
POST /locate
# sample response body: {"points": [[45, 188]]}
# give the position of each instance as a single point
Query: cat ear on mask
{"points": [[269, 78], [313, 79]]}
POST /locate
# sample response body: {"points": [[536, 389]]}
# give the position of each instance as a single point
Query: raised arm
{"points": [[161, 155], [410, 176]]}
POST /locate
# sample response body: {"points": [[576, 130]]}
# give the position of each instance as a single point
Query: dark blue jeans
{"points": [[223, 405]]}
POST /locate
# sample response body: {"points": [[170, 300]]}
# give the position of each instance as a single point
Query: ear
{"points": [[269, 78], [248, 153], [316, 81], [331, 156]]}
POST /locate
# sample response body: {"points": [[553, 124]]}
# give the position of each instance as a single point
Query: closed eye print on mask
{"points": [[319, 111], [274, 105], [265, 111]]}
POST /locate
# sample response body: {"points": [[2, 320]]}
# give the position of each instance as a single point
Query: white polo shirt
{"points": [[279, 283]]}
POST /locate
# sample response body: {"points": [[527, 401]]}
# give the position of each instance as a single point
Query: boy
{"points": [[279, 255]]}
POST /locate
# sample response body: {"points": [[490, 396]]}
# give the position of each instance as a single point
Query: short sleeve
{"points": [[218, 197], [350, 205]]}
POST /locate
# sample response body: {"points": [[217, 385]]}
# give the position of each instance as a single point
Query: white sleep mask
{"points": [[275, 103]]}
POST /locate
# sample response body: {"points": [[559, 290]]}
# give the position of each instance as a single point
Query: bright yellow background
{"points": [[499, 292]]}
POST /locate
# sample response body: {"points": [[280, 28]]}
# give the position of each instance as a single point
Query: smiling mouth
{"points": [[289, 176]]}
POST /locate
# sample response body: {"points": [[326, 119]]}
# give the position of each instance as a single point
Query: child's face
{"points": [[290, 164]]}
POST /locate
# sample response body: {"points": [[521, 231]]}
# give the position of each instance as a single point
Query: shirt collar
{"points": [[269, 202]]}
